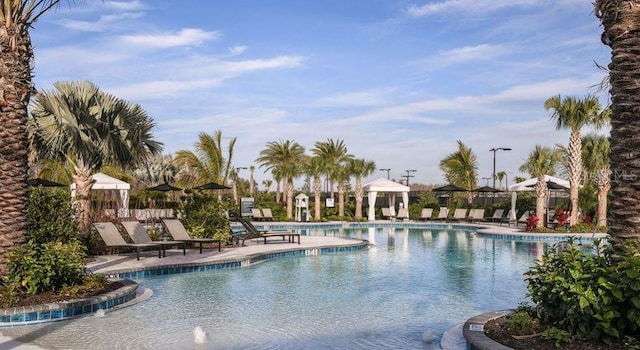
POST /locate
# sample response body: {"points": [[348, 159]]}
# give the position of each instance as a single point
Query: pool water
{"points": [[411, 281]]}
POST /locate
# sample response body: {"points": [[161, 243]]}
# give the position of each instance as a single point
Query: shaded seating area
{"points": [[138, 234], [113, 240], [252, 232], [179, 233]]}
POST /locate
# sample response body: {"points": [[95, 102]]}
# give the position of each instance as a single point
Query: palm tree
{"points": [[17, 17], [574, 114], [87, 129], [314, 167], [501, 176], [618, 18], [287, 157], [461, 169], [156, 170], [341, 176], [252, 182], [267, 184], [333, 153], [595, 157], [207, 164], [277, 177], [360, 168], [541, 161]]}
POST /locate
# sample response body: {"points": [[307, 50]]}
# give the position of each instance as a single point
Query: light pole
{"points": [[408, 176], [387, 170], [494, 150], [487, 178]]}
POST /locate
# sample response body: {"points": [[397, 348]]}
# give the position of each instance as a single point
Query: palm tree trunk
{"points": [[341, 199], [541, 196], [289, 190], [620, 20], [278, 191], [234, 188], [604, 185], [359, 194], [575, 172], [317, 190], [15, 90], [83, 181]]}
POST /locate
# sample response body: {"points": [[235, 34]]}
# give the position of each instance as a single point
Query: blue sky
{"points": [[399, 81]]}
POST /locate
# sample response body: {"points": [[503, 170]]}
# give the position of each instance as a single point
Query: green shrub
{"points": [[593, 296], [559, 336], [50, 216], [48, 267], [521, 322], [206, 217]]}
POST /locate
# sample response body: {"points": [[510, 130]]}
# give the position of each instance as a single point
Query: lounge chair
{"points": [[475, 215], [180, 234], [403, 214], [459, 214], [523, 218], [138, 234], [112, 239], [256, 214], [253, 232], [496, 217], [426, 214], [443, 214], [386, 214], [267, 214]]}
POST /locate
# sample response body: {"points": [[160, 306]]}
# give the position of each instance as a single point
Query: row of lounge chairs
{"points": [[263, 214], [463, 214], [251, 232]]}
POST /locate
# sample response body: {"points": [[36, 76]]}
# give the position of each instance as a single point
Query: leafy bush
{"points": [[558, 336], [593, 296], [206, 217], [53, 257], [561, 217], [532, 222], [521, 322]]}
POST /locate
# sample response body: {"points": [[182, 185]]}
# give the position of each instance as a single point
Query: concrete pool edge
{"points": [[473, 331]]}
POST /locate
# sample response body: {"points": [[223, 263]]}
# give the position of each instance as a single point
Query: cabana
{"points": [[530, 185], [391, 188], [105, 182]]}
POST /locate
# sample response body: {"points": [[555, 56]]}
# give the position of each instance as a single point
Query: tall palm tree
{"points": [[277, 177], [360, 168], [86, 129], [287, 157], [16, 88], [333, 153], [541, 161], [252, 182], [574, 114], [314, 167], [208, 163], [341, 177], [156, 170], [501, 176], [267, 184], [595, 157], [618, 19], [461, 169]]}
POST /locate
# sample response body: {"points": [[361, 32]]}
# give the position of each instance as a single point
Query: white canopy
{"points": [[530, 185], [105, 182], [391, 188]]}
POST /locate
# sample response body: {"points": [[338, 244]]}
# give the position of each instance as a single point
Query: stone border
{"points": [[473, 332], [28, 315]]}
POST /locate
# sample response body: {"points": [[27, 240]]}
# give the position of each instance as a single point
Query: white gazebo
{"points": [[105, 182], [391, 188], [530, 185]]}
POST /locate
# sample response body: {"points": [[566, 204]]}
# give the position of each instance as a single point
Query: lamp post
{"points": [[487, 178], [387, 170], [408, 176], [494, 150]]}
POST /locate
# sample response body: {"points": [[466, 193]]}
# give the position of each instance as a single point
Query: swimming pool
{"points": [[411, 281]]}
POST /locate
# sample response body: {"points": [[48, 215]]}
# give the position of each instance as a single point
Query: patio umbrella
{"points": [[485, 190], [449, 188], [212, 186], [44, 183], [165, 187]]}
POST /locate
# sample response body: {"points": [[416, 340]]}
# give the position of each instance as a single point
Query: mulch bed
{"points": [[497, 331], [52, 297]]}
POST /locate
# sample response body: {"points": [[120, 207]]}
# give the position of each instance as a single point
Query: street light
{"points": [[487, 178], [408, 176], [240, 168], [494, 150], [387, 170]]}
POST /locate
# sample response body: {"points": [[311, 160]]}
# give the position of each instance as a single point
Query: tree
{"points": [[87, 129], [207, 164], [595, 157], [314, 167], [267, 184], [620, 21], [360, 168], [541, 161], [461, 169], [287, 158], [252, 182], [341, 177], [501, 176], [333, 153], [16, 88], [574, 114]]}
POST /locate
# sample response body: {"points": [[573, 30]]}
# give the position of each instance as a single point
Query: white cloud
{"points": [[469, 6], [104, 23], [351, 99], [186, 37], [163, 88], [237, 50], [124, 5], [279, 62]]}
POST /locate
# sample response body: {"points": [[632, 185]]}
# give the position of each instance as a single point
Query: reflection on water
{"points": [[414, 281]]}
